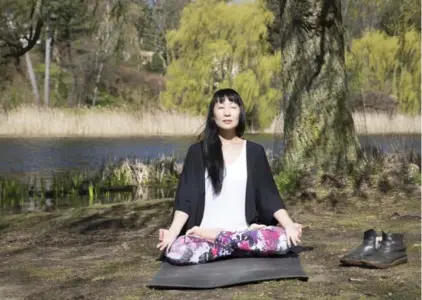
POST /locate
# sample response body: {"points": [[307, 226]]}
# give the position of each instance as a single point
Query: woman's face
{"points": [[226, 114]]}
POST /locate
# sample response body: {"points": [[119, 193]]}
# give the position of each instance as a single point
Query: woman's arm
{"points": [[182, 202], [283, 218], [270, 204], [179, 220], [270, 199]]}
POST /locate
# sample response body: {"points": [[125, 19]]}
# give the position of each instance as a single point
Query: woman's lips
{"points": [[227, 121]]}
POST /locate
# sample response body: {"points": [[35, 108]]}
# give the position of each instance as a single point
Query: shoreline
{"points": [[32, 122], [184, 136]]}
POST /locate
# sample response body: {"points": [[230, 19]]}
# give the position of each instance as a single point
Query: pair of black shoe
{"points": [[389, 253]]}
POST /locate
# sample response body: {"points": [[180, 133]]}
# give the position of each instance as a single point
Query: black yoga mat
{"points": [[228, 272]]}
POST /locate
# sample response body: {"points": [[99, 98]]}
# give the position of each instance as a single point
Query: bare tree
{"points": [[16, 35], [27, 21], [165, 16], [115, 30]]}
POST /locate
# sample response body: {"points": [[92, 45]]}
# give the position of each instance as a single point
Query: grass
{"points": [[116, 263], [28, 121]]}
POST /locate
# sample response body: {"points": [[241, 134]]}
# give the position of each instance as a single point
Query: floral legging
{"points": [[188, 250]]}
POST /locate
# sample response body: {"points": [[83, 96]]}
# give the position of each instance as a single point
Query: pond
{"points": [[43, 155], [23, 158]]}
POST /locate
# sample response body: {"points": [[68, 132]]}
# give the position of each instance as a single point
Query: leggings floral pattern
{"points": [[188, 250]]}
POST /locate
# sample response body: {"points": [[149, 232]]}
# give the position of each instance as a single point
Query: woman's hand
{"points": [[209, 234], [299, 229], [256, 226], [195, 230], [166, 238], [294, 233]]}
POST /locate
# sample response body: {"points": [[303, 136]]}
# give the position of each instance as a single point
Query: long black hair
{"points": [[211, 143]]}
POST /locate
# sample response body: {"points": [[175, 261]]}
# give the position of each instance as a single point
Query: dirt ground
{"points": [[109, 252]]}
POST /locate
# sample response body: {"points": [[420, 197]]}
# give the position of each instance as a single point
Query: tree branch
{"points": [[31, 42]]}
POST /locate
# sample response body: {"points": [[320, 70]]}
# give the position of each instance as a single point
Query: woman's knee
{"points": [[273, 230], [274, 234], [186, 250], [178, 250]]}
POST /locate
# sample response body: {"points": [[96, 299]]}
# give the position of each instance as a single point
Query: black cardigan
{"points": [[262, 196]]}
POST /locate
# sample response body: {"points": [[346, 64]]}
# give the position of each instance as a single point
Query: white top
{"points": [[227, 210]]}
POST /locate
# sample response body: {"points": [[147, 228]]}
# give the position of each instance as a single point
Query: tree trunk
{"points": [[319, 131], [47, 66], [97, 82], [32, 78]]}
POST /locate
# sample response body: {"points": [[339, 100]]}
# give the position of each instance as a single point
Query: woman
{"points": [[227, 201]]}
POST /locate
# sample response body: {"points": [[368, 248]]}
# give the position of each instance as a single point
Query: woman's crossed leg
{"points": [[191, 249]]}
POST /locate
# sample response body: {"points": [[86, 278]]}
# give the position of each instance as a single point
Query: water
{"points": [[20, 156], [29, 158]]}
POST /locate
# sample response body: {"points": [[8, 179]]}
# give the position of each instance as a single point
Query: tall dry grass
{"points": [[58, 122], [376, 123]]}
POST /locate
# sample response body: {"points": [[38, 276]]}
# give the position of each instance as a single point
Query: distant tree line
{"points": [[148, 54]]}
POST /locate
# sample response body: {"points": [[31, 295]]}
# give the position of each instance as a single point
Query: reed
{"points": [[58, 122], [374, 123], [28, 121], [377, 123], [119, 180]]}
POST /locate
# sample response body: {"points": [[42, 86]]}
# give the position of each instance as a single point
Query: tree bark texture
{"points": [[319, 131]]}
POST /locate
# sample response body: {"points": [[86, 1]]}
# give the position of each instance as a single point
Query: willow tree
{"points": [[319, 131], [384, 63], [220, 44]]}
